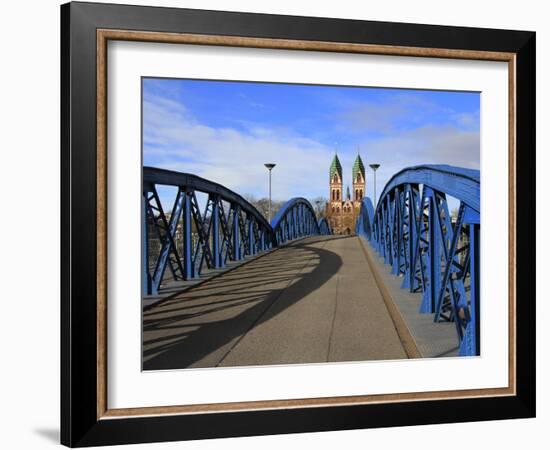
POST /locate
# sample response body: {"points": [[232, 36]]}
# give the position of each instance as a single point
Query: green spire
{"points": [[336, 167], [358, 166]]}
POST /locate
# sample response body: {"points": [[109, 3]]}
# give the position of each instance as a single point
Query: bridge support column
{"points": [[216, 257], [291, 223], [250, 236], [385, 232], [236, 238], [300, 220], [448, 281], [382, 231], [470, 345], [262, 239], [189, 270], [434, 256], [378, 230], [388, 231], [397, 234], [296, 234], [146, 285], [410, 247]]}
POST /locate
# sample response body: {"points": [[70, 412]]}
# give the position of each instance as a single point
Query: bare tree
{"points": [[250, 198], [319, 204], [262, 204]]}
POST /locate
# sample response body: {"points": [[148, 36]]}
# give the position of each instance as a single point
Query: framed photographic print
{"points": [[277, 224]]}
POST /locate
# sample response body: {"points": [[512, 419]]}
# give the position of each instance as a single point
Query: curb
{"points": [[405, 336]]}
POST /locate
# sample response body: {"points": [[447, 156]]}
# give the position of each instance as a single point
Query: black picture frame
{"points": [[80, 425]]}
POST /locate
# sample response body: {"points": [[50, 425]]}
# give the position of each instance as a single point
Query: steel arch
{"points": [[364, 224], [324, 226], [228, 228], [191, 239], [296, 219], [436, 254]]}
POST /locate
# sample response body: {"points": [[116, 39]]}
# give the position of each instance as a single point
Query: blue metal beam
{"points": [[228, 228], [457, 182], [216, 250], [413, 231], [296, 219]]}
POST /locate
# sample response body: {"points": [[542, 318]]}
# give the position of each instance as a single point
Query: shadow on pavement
{"points": [[190, 344]]}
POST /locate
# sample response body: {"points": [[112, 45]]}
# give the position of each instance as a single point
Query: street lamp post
{"points": [[269, 167], [374, 168]]}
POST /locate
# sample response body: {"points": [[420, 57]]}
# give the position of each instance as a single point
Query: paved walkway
{"points": [[309, 302], [433, 340]]}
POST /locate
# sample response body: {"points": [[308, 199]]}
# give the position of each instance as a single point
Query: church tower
{"points": [[359, 181], [342, 212], [335, 174]]}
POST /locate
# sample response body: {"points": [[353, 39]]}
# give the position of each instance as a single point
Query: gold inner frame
{"points": [[104, 35]]}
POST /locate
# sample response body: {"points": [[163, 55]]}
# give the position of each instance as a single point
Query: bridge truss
{"points": [[434, 252], [189, 239], [297, 219]]}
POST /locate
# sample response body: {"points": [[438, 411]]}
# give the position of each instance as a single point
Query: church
{"points": [[342, 213]]}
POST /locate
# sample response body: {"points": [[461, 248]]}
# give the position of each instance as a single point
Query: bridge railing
{"points": [[181, 243], [365, 222], [227, 229], [324, 226], [296, 219], [435, 253]]}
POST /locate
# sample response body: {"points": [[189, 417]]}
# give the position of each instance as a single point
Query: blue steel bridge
{"points": [[224, 287]]}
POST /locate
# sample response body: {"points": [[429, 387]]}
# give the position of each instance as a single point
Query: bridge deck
{"points": [[312, 301], [433, 340]]}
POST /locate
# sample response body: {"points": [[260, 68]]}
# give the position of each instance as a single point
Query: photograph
{"points": [[291, 221], [307, 224]]}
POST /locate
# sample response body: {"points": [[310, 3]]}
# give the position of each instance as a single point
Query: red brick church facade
{"points": [[342, 213]]}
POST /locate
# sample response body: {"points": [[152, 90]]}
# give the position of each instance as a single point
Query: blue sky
{"points": [[225, 131]]}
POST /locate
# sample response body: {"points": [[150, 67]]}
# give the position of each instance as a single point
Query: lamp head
{"points": [[269, 166], [374, 166]]}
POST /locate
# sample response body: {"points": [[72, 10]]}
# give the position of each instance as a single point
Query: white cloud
{"points": [[382, 117], [175, 140], [424, 145], [468, 120]]}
